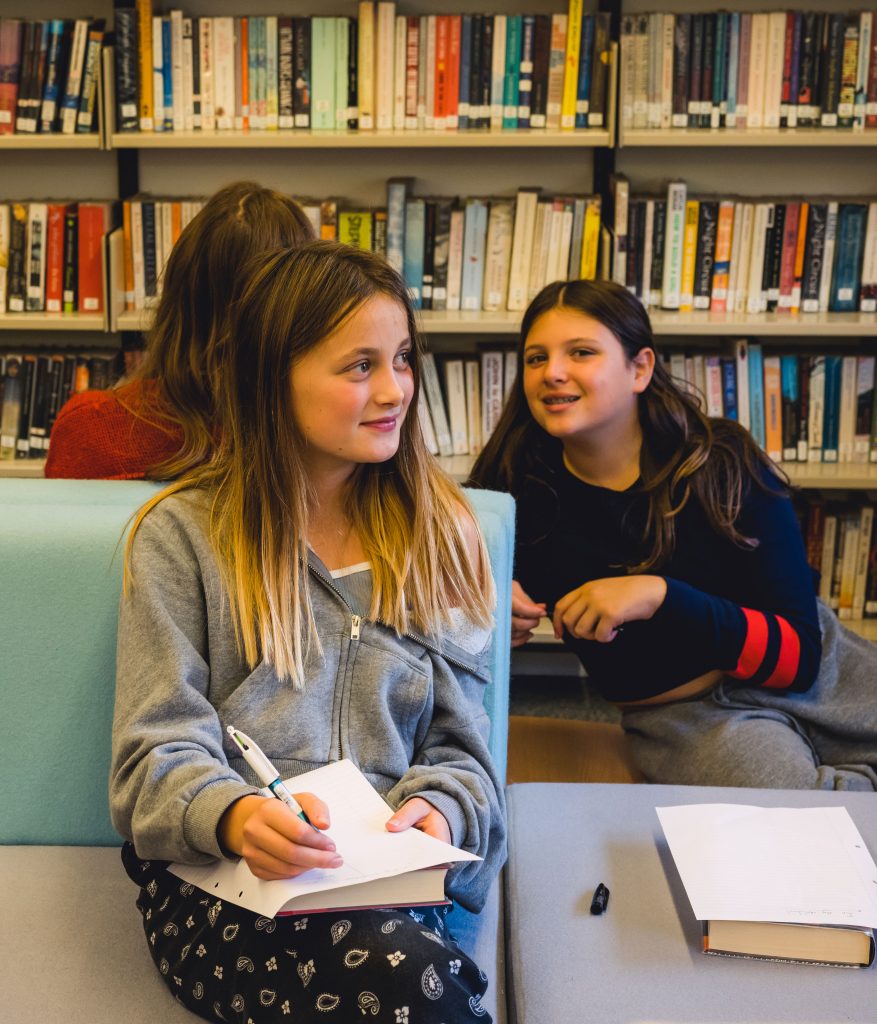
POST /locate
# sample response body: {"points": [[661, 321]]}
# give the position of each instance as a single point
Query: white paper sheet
{"points": [[798, 865], [359, 816]]}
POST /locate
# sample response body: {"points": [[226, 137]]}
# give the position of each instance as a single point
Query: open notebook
{"points": [[380, 868]]}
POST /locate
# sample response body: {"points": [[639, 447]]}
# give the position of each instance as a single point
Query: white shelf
{"points": [[50, 140], [53, 322], [23, 468], [470, 322], [773, 137], [840, 476], [846, 325], [286, 139], [817, 325], [837, 476]]}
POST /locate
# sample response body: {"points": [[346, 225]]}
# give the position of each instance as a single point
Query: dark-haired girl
{"points": [[665, 548]]}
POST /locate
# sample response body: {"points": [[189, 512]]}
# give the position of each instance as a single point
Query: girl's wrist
{"points": [[230, 830]]}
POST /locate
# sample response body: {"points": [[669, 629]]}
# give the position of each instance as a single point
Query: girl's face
{"points": [[577, 380], [350, 392]]}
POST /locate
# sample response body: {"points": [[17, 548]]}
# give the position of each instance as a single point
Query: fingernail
{"points": [[336, 862]]}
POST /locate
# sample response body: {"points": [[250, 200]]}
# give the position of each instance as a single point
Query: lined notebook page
{"points": [[798, 865]]}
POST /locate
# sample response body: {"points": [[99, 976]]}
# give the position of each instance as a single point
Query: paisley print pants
{"points": [[225, 963]]}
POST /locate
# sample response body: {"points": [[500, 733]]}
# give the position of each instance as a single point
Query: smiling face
{"points": [[578, 382], [351, 391]]}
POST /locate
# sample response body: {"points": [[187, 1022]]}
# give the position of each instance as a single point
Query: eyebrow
{"points": [[365, 351], [569, 341]]}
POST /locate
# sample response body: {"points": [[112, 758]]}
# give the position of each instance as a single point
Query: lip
{"points": [[557, 407], [387, 424]]}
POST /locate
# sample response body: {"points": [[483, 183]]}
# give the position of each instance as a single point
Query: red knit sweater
{"points": [[96, 436]]}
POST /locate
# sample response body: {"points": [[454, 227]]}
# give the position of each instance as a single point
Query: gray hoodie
{"points": [[406, 710]]}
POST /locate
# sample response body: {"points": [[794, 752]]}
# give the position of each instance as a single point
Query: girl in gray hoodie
{"points": [[320, 584]]}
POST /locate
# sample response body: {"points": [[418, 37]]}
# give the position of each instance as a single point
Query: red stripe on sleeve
{"points": [[754, 645], [790, 657]]}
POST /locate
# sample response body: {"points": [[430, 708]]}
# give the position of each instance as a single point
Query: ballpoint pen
{"points": [[268, 774]]}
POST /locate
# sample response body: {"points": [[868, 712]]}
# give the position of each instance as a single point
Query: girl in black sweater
{"points": [[664, 546]]}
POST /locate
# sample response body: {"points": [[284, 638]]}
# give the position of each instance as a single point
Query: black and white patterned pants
{"points": [[225, 963]]}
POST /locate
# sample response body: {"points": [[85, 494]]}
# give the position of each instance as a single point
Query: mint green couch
{"points": [[70, 937]]}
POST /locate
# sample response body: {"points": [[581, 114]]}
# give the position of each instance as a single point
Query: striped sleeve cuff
{"points": [[771, 653]]}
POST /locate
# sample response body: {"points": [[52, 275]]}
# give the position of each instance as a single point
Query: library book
{"points": [[776, 883]]}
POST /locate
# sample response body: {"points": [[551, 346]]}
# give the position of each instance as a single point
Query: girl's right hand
{"points": [[525, 615], [273, 841]]}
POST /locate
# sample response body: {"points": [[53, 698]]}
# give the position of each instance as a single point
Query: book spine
{"points": [[599, 71], [681, 61], [525, 71], [35, 257], [125, 55], [586, 53], [755, 365], [474, 242], [789, 376], [85, 118], [556, 66], [455, 258], [864, 405], [72, 88], [846, 102], [571, 65], [706, 251], [673, 247], [126, 45], [17, 275], [436, 404], [415, 225]]}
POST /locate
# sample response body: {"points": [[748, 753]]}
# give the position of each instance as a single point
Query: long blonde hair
{"points": [[184, 345], [409, 516]]}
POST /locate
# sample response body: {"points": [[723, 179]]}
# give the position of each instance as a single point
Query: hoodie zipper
{"points": [[356, 623]]}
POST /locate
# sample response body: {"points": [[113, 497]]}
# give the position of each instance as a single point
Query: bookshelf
{"points": [[52, 322], [758, 137], [530, 140]]}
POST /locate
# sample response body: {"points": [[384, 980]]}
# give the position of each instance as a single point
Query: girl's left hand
{"points": [[419, 813], [597, 610]]}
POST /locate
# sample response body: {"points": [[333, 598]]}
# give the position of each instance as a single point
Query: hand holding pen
{"points": [[277, 838]]}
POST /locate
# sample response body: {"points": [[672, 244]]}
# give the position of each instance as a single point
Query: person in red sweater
{"points": [[160, 421]]}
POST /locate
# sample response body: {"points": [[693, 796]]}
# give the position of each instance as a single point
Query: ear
{"points": [[644, 366]]}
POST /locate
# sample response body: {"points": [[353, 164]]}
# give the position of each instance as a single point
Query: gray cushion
{"points": [[73, 949], [642, 960]]}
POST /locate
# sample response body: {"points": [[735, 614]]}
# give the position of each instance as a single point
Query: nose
{"points": [[555, 367], [389, 389]]}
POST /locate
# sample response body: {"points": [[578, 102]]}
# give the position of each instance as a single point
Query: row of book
{"points": [[739, 70], [49, 74], [744, 255], [34, 386], [462, 399], [52, 256], [800, 407], [841, 546], [470, 254], [380, 70]]}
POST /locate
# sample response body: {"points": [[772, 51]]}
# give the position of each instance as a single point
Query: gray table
{"points": [[641, 962]]}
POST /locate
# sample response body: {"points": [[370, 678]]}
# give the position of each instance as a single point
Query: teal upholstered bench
{"points": [[70, 937]]}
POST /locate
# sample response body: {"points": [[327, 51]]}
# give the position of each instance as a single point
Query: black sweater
{"points": [[751, 613]]}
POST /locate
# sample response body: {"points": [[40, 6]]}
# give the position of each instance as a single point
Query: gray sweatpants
{"points": [[825, 738]]}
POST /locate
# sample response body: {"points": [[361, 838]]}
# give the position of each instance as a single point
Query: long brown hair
{"points": [[185, 344], [410, 517], [684, 454]]}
